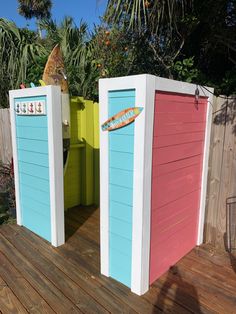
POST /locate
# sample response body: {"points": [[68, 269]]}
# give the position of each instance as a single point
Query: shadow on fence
{"points": [[222, 169]]}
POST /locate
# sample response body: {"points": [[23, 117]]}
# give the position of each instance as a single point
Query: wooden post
{"points": [[5, 136]]}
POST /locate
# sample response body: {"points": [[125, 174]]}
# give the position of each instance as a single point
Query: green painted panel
{"points": [[81, 178]]}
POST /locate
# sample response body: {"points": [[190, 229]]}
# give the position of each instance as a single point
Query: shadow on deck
{"points": [[37, 278]]}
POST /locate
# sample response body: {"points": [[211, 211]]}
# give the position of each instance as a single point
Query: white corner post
{"points": [[56, 173], [144, 86], [201, 221], [104, 179], [143, 140], [15, 158]]}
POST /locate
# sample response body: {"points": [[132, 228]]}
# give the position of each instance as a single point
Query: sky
{"points": [[87, 10]]}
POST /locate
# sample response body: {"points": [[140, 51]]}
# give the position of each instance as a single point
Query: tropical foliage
{"points": [[189, 40], [162, 25], [39, 9], [182, 31], [77, 49], [19, 48]]}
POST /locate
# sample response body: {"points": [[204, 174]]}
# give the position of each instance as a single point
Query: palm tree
{"points": [[40, 9], [35, 8]]}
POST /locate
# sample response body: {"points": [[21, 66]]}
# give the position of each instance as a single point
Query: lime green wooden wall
{"points": [[81, 178]]}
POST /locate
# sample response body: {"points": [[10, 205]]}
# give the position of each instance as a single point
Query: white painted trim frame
{"points": [[205, 164], [145, 87], [144, 97], [15, 157], [56, 173], [104, 179], [53, 95]]}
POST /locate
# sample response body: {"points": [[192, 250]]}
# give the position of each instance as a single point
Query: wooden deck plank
{"points": [[214, 290], [53, 296], [193, 304], [218, 276], [164, 301], [73, 271], [187, 291], [45, 279], [91, 264], [26, 294], [8, 301], [86, 229], [68, 287], [118, 290]]}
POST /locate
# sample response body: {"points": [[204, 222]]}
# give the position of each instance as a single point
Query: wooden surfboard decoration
{"points": [[54, 71], [122, 119], [54, 74]]}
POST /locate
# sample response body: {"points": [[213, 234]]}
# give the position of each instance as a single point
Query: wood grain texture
{"points": [[222, 168], [9, 302], [5, 136], [202, 282], [54, 70]]}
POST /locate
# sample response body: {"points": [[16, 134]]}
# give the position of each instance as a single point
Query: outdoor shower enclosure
{"points": [[153, 174]]}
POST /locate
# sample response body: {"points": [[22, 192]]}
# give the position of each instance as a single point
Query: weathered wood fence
{"points": [[5, 136], [222, 170]]}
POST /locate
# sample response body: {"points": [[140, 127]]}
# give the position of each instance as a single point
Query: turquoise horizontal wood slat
{"points": [[28, 180], [35, 194], [38, 207], [120, 211], [121, 228], [121, 160], [33, 165], [120, 267], [33, 122], [121, 177], [43, 225], [33, 158], [32, 133], [121, 143], [120, 244], [121, 194], [33, 145], [34, 170]]}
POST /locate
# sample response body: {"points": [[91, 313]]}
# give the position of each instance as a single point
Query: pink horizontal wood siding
{"points": [[178, 144]]}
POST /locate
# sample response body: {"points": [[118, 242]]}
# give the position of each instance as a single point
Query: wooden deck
{"points": [[37, 278]]}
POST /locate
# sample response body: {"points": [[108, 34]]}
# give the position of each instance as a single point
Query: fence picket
{"points": [[5, 136]]}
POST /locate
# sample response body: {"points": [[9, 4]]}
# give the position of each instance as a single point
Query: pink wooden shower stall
{"points": [[177, 157], [169, 145]]}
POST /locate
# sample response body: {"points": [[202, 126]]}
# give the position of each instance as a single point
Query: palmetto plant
{"points": [[18, 49], [77, 50], [23, 56], [140, 14]]}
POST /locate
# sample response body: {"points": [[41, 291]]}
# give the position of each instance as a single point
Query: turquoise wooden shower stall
{"points": [[36, 120]]}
